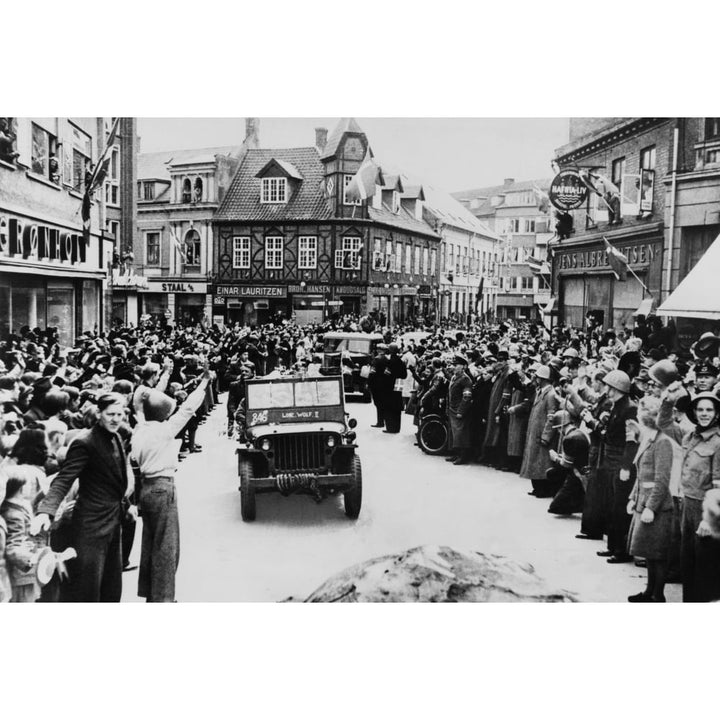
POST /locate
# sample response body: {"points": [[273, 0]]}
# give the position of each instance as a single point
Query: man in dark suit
{"points": [[97, 459]]}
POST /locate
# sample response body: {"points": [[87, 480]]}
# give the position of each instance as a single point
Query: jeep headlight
{"points": [[265, 444], [330, 441]]}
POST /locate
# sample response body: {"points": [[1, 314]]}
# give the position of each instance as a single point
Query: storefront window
{"points": [[155, 305], [5, 294], [626, 299], [90, 305], [61, 310], [189, 309], [27, 303]]}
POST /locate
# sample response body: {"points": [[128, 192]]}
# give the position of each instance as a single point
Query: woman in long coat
{"points": [[536, 459], [651, 504], [521, 402]]}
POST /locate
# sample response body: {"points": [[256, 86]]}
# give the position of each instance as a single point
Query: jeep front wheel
{"points": [[247, 491], [353, 495]]}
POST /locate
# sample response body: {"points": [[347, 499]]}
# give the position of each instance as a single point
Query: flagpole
{"points": [[644, 287]]}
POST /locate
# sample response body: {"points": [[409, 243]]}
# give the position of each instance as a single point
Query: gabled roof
{"points": [[486, 207], [346, 125], [154, 166], [287, 168], [306, 201], [413, 192], [446, 208], [402, 220], [393, 182]]}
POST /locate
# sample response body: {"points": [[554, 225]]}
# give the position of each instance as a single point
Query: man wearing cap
{"points": [[397, 372], [377, 383], [155, 450], [536, 458], [495, 445], [459, 403]]}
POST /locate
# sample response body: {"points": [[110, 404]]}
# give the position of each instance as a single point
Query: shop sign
{"points": [[179, 287], [250, 291], [424, 290], [349, 290], [129, 280], [639, 255], [567, 190], [38, 242], [310, 289]]}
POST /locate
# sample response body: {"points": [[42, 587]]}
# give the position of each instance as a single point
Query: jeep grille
{"points": [[299, 452]]}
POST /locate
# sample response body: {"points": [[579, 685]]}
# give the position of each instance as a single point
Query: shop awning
{"points": [[645, 307], [549, 309], [697, 295]]}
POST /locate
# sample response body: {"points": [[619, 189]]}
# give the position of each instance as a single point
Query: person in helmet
{"points": [[617, 452], [155, 450]]}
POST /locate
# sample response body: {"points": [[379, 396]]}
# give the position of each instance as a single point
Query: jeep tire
{"points": [[353, 494], [247, 491]]}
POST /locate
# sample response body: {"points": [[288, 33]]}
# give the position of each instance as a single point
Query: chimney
{"points": [[252, 126], [321, 134], [507, 182]]}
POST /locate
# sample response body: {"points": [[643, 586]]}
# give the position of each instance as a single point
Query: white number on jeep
{"points": [[259, 418]]}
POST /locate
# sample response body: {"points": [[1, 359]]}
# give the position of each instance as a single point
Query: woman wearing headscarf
{"points": [[699, 550], [651, 504]]}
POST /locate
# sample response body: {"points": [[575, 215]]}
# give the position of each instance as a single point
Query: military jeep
{"points": [[296, 437], [349, 354]]}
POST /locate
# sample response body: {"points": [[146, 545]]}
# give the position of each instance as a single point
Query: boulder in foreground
{"points": [[433, 573]]}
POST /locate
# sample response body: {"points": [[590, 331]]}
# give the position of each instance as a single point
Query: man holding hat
{"points": [[459, 403], [155, 450]]}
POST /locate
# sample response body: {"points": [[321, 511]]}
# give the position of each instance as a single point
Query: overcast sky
{"points": [[448, 153]]}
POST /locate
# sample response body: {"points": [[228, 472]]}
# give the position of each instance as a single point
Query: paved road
{"points": [[409, 499]]}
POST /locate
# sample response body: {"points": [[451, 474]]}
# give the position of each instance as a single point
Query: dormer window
{"points": [[274, 190], [198, 190], [396, 201]]}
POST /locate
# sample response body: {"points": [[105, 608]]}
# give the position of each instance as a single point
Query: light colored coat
{"points": [[536, 459]]}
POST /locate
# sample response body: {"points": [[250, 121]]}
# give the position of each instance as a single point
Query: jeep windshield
{"points": [[361, 345], [309, 393]]}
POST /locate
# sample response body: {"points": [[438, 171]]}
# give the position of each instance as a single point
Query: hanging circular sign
{"points": [[567, 190]]}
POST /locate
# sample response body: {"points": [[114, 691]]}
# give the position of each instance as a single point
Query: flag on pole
{"points": [[176, 241], [542, 198], [618, 261], [366, 179], [96, 179]]}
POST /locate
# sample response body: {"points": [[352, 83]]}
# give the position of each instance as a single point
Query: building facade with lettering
{"points": [[635, 155], [49, 275], [511, 211], [289, 243], [178, 193]]}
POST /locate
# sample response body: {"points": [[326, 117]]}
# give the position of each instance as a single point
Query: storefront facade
{"points": [[49, 278], [180, 303], [586, 283]]}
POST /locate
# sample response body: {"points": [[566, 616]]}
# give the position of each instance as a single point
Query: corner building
{"points": [[290, 244], [636, 155], [49, 275]]}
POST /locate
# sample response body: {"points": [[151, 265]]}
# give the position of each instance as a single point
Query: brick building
{"points": [[523, 230], [290, 243], [49, 275], [636, 155]]}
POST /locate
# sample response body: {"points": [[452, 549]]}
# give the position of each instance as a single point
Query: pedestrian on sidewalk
{"points": [[651, 503], [98, 460], [155, 449]]}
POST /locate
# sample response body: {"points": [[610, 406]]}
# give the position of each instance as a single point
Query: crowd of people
{"points": [[622, 431], [617, 428]]}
